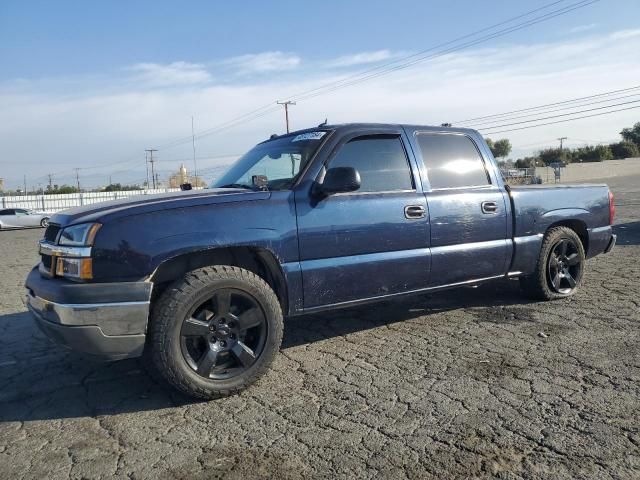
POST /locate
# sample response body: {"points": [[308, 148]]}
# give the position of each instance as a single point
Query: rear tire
{"points": [[560, 266], [44, 223], [215, 331]]}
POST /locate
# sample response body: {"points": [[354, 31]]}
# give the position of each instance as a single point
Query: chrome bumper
{"points": [[108, 330], [612, 243]]}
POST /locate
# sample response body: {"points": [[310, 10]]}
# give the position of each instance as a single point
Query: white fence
{"points": [[54, 203]]}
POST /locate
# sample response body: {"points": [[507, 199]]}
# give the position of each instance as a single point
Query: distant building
{"points": [[182, 176]]}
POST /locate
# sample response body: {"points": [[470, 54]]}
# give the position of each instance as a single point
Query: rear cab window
{"points": [[452, 161]]}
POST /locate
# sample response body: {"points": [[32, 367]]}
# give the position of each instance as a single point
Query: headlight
{"points": [[81, 235]]}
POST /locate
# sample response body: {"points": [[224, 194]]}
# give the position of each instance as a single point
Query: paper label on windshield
{"points": [[308, 136]]}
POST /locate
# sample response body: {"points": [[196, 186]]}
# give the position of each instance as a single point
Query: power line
{"points": [[563, 102], [528, 23], [358, 77], [559, 115], [420, 53], [391, 67], [561, 109], [562, 121]]}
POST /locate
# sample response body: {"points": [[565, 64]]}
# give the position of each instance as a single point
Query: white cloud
{"points": [[623, 34], [172, 74], [582, 28], [46, 127], [360, 58], [263, 62]]}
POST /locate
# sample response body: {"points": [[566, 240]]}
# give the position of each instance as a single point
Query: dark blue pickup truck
{"points": [[314, 220]]}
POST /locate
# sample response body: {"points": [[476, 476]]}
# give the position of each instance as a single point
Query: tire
{"points": [[197, 340], [560, 266], [44, 223]]}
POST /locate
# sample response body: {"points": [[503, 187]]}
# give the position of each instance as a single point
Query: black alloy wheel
{"points": [[224, 335], [560, 267], [214, 331], [564, 267]]}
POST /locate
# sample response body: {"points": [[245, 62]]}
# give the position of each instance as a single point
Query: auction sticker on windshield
{"points": [[308, 136]]}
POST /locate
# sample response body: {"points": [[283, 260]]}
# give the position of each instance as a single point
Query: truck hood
{"points": [[138, 204]]}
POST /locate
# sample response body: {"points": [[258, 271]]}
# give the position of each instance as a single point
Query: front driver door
{"points": [[368, 243]]}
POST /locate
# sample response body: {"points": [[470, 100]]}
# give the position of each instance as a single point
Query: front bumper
{"points": [[107, 320]]}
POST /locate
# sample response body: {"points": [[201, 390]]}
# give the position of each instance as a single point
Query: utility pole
{"points": [[50, 182], [286, 111], [78, 178], [146, 164], [195, 165], [25, 185], [562, 139], [151, 160]]}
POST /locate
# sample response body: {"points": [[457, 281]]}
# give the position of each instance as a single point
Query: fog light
{"points": [[80, 268]]}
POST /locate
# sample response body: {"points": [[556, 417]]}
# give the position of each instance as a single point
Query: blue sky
{"points": [[91, 84]]}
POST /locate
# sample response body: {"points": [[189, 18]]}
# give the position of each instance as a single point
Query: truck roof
{"points": [[346, 127], [365, 125]]}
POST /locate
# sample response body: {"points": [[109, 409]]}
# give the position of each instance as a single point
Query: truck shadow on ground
{"points": [[628, 233], [41, 381]]}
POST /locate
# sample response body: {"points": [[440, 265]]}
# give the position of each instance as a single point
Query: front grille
{"points": [[51, 233]]}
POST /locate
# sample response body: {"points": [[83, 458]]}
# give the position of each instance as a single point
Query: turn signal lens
{"points": [[78, 268], [612, 209]]}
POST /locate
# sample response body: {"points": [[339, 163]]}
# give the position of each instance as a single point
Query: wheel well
{"points": [[260, 261], [577, 226]]}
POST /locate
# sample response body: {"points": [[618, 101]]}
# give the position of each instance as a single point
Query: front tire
{"points": [[44, 223], [215, 331], [560, 267]]}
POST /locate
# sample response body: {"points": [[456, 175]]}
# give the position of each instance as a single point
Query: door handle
{"points": [[414, 211], [489, 207]]}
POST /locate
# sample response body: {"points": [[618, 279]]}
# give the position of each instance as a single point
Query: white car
{"points": [[21, 218]]}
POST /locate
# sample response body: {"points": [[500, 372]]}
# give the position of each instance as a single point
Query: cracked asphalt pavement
{"points": [[468, 383]]}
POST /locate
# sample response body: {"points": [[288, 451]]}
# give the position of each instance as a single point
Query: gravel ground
{"points": [[462, 384]]}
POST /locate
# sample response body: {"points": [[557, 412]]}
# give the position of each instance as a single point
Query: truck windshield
{"points": [[279, 160]]}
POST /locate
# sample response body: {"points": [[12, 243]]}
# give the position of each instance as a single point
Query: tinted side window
{"points": [[452, 161], [6, 212], [381, 161]]}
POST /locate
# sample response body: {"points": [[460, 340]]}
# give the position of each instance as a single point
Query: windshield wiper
{"points": [[237, 185]]}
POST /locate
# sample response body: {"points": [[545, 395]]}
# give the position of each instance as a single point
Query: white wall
{"points": [[55, 203]]}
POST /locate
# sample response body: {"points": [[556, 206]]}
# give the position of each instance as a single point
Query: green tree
{"points": [[632, 134], [526, 162], [61, 189], [117, 187], [624, 150], [592, 154], [554, 155], [500, 148]]}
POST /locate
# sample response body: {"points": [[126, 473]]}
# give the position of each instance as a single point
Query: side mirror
{"points": [[339, 180]]}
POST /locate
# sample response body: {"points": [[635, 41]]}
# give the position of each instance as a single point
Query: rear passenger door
{"points": [[467, 208]]}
